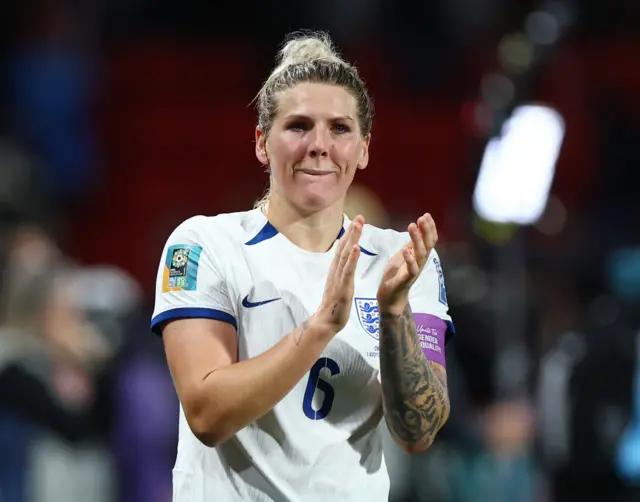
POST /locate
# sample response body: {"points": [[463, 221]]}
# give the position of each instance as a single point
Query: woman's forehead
{"points": [[312, 99]]}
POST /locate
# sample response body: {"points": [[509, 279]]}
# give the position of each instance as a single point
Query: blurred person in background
{"points": [[86, 410], [51, 360], [235, 302], [46, 352]]}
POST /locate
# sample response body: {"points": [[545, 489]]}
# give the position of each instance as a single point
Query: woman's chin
{"points": [[317, 200]]}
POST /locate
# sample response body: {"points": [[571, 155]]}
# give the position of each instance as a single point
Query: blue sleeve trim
{"points": [[190, 313], [451, 330]]}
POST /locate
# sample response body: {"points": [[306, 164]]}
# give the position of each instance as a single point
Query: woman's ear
{"points": [[261, 147], [364, 156]]}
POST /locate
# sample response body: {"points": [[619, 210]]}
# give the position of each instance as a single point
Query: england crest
{"points": [[369, 315]]}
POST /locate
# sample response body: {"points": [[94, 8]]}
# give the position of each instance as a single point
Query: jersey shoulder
{"points": [[383, 241], [221, 228]]}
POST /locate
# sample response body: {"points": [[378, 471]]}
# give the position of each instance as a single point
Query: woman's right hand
{"points": [[335, 308]]}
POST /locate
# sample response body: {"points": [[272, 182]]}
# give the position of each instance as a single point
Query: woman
{"points": [[52, 362], [289, 329]]}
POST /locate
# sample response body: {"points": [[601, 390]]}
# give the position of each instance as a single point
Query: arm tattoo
{"points": [[414, 390]]}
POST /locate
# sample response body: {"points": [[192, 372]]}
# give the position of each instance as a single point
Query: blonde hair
{"points": [[310, 57]]}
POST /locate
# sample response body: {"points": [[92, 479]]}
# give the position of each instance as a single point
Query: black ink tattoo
{"points": [[414, 390]]}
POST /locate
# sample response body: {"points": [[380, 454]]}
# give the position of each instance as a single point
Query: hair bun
{"points": [[310, 57], [304, 47]]}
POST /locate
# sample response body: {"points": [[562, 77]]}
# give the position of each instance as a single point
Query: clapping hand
{"points": [[405, 267], [338, 293]]}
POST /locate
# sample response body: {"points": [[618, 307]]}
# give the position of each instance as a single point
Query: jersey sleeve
{"points": [[191, 281], [428, 300]]}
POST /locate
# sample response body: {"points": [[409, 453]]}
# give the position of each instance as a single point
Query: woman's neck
{"points": [[315, 232]]}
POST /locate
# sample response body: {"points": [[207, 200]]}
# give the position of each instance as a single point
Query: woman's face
{"points": [[314, 146]]}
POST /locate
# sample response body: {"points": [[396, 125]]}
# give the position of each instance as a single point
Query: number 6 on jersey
{"points": [[315, 382]]}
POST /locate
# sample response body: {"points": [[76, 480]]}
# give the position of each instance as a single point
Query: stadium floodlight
{"points": [[519, 165]]}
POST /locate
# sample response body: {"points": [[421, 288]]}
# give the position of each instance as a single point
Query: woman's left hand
{"points": [[405, 267]]}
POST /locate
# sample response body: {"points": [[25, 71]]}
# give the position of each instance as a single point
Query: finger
{"points": [[342, 242], [353, 240], [425, 233], [359, 219], [412, 264], [429, 231], [344, 239], [419, 249], [357, 231], [354, 237], [348, 273]]}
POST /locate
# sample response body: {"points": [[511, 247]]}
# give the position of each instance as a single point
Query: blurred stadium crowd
{"points": [[119, 119]]}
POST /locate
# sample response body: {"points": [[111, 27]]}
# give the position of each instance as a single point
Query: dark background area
{"points": [[120, 119]]}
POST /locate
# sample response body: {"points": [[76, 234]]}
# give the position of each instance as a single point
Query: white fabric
{"points": [[290, 454]]}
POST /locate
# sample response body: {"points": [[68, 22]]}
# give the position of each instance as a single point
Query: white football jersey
{"points": [[321, 442]]}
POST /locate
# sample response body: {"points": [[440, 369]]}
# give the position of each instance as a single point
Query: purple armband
{"points": [[431, 333]]}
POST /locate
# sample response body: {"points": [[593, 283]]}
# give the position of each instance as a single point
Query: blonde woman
{"points": [[290, 330]]}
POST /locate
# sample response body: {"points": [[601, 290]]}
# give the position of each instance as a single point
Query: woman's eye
{"points": [[298, 126], [341, 128]]}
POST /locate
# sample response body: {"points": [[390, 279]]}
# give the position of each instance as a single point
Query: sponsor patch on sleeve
{"points": [[181, 268]]}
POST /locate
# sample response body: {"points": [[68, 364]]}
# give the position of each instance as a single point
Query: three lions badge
{"points": [[369, 315]]}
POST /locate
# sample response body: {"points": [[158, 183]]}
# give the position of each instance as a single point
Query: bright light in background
{"points": [[518, 167]]}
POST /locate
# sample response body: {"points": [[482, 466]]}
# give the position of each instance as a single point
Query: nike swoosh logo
{"points": [[247, 304]]}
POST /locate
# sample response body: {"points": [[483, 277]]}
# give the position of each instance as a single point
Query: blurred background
{"points": [[515, 123]]}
